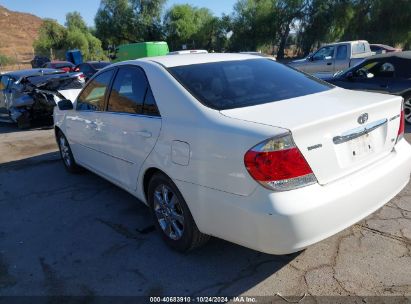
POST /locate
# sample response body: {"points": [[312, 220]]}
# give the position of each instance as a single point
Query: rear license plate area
{"points": [[360, 146]]}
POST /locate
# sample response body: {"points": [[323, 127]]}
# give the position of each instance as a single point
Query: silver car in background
{"points": [[333, 58]]}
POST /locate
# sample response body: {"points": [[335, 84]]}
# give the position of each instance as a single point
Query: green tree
{"points": [[254, 24], [54, 39], [124, 21], [191, 26], [74, 20], [51, 36]]}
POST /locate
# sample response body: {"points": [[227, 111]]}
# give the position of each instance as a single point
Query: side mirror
{"points": [[65, 104], [310, 58], [328, 57]]}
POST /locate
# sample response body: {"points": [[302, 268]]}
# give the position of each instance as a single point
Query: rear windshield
{"points": [[242, 83], [99, 65]]}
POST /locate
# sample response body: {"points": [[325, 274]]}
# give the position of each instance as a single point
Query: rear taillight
{"points": [[401, 129], [277, 164]]}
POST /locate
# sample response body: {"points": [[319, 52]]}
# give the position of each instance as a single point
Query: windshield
{"points": [[235, 84]]}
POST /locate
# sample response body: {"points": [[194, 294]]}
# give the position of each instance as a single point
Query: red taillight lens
{"points": [[277, 164], [401, 129]]}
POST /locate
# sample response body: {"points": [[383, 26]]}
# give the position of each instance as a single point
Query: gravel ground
{"points": [[63, 234]]}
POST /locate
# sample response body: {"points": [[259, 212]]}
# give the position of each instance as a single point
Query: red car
{"points": [[60, 65], [382, 48]]}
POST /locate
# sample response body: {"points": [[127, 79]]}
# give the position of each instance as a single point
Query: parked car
{"points": [[334, 57], [382, 49], [238, 147], [39, 61], [31, 95], [90, 68], [386, 73], [66, 66]]}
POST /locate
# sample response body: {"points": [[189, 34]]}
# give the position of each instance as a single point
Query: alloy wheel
{"points": [[65, 150], [169, 212]]}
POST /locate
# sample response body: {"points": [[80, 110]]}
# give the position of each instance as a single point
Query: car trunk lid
{"points": [[338, 131]]}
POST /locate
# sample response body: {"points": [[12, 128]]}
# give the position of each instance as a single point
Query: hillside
{"points": [[17, 33]]}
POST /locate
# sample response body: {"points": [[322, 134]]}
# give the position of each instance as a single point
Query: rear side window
{"points": [[242, 83], [92, 98], [131, 93], [341, 52], [358, 48]]}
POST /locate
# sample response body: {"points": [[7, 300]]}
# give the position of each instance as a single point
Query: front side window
{"points": [[241, 83], [131, 93], [92, 98], [326, 52]]}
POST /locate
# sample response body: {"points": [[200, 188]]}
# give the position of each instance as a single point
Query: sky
{"points": [[57, 9]]}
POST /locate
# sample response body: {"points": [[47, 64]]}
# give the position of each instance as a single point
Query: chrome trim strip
{"points": [[358, 132], [120, 113]]}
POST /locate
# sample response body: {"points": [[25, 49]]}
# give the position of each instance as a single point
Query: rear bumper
{"points": [[285, 222]]}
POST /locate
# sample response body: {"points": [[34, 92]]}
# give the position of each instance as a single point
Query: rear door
{"points": [[130, 126], [341, 58], [83, 125]]}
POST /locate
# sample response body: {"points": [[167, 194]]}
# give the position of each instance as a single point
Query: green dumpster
{"points": [[139, 50]]}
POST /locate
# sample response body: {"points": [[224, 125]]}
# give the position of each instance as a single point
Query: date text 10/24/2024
{"points": [[203, 299]]}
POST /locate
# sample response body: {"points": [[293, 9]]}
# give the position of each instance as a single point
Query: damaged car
{"points": [[31, 95]]}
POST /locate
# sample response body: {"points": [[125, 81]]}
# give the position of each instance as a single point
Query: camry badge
{"points": [[363, 118]]}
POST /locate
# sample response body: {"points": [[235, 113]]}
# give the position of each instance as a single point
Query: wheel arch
{"points": [[148, 174], [56, 131]]}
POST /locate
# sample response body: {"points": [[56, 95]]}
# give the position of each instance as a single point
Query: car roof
{"points": [[189, 59], [31, 72]]}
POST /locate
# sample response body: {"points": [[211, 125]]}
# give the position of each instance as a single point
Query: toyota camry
{"points": [[238, 147]]}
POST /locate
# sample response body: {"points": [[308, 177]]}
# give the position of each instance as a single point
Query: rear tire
{"points": [[66, 154], [407, 109], [172, 216]]}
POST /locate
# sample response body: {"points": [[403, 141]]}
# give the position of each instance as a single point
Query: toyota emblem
{"points": [[363, 118]]}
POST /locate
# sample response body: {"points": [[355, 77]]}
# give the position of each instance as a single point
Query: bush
{"points": [[5, 60]]}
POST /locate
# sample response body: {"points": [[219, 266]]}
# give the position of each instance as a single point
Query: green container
{"points": [[139, 50]]}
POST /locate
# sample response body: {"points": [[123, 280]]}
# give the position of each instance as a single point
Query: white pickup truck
{"points": [[333, 58]]}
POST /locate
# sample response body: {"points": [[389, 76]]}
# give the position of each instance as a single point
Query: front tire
{"points": [[172, 216], [66, 154]]}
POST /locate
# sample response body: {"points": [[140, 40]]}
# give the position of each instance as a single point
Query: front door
{"points": [[322, 61], [83, 124]]}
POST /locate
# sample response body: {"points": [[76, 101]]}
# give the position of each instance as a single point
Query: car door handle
{"points": [[145, 134], [329, 63]]}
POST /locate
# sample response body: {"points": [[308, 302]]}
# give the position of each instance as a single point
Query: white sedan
{"points": [[237, 147]]}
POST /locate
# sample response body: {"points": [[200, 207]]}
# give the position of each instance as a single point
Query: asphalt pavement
{"points": [[63, 234]]}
